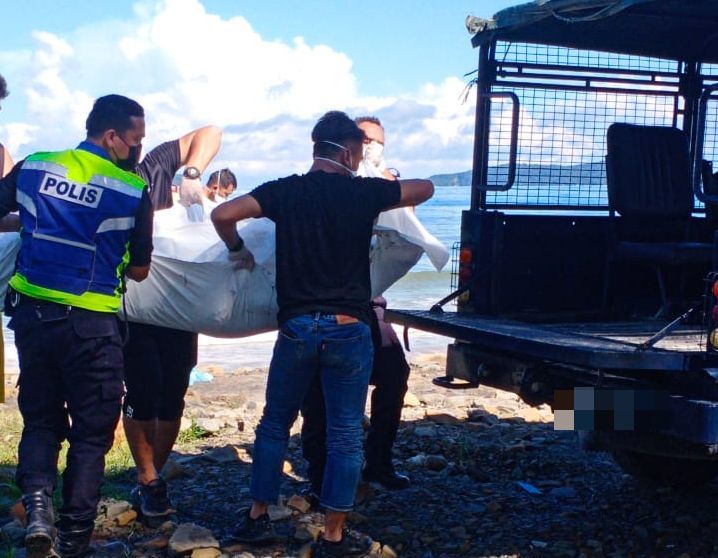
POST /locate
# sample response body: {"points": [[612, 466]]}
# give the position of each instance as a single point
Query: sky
{"points": [[262, 70]]}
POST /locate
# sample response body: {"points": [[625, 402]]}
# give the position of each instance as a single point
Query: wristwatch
{"points": [[191, 172]]}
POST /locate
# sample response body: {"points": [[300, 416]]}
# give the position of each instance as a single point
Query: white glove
{"points": [[243, 259], [190, 196], [190, 191]]}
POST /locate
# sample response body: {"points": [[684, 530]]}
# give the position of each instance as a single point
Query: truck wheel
{"points": [[664, 470]]}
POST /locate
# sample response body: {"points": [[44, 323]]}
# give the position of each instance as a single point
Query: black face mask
{"points": [[133, 157]]}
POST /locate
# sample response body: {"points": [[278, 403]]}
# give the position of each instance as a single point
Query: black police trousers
{"points": [[70, 387], [390, 376]]}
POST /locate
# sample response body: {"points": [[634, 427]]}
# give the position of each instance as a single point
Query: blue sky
{"points": [[263, 70]]}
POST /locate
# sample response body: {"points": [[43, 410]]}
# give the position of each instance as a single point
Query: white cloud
{"points": [[189, 67]]}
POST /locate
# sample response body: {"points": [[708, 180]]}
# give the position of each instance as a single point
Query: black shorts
{"points": [[158, 362]]}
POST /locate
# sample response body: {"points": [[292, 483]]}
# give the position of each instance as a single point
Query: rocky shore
{"points": [[490, 478]]}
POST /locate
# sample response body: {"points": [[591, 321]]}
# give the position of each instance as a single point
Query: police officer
{"points": [[86, 225]]}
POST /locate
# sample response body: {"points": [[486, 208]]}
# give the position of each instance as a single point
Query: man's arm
{"points": [[141, 241], [198, 148], [226, 216], [8, 191], [10, 223], [414, 191], [7, 161]]}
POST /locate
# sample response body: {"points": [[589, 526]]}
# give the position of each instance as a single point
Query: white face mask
{"points": [[374, 153], [351, 172]]}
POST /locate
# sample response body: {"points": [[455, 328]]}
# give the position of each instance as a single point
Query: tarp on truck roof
{"points": [[684, 30]]}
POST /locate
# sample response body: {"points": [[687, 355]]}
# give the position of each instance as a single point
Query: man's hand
{"points": [[190, 191], [243, 259]]}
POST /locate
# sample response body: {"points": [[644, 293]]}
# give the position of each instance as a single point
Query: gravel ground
{"points": [[490, 477]]}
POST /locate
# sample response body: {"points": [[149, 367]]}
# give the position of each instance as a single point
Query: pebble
{"points": [[158, 543], [226, 454], [299, 503], [210, 424], [411, 400], [443, 418], [425, 431], [563, 492], [278, 513], [126, 517], [114, 509], [435, 462], [174, 470], [206, 553], [14, 531], [189, 537]]}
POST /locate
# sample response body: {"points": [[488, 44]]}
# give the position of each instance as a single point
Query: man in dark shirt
{"points": [[158, 360], [324, 222], [86, 224]]}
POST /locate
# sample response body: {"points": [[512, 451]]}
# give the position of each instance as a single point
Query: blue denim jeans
{"points": [[342, 355]]}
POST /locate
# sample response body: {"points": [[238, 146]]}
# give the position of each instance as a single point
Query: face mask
{"points": [[133, 156], [374, 153], [351, 172]]}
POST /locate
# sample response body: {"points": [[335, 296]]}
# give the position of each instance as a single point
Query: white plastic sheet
{"points": [[192, 286]]}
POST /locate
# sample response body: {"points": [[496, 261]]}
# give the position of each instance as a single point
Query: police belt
{"points": [[51, 309]]}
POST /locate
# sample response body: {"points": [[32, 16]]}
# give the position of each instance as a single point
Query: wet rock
{"points": [[206, 553], [435, 462], [388, 552], [189, 537]]}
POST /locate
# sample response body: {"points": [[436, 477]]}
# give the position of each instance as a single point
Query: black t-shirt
{"points": [[324, 225], [158, 169]]}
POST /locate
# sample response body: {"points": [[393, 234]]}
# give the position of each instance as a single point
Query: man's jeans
{"points": [[342, 355]]}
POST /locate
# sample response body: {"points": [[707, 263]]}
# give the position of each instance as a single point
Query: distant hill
{"points": [[585, 173]]}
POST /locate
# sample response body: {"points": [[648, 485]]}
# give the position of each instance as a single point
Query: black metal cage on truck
{"points": [[586, 256]]}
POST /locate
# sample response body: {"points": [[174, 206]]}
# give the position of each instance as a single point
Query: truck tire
{"points": [[665, 470]]}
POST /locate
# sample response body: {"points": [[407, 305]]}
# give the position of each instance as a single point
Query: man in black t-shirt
{"points": [[158, 360], [324, 221]]}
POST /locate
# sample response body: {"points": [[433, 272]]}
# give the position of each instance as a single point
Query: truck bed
{"points": [[606, 345]]}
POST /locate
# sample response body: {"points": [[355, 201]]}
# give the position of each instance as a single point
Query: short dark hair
{"points": [[372, 119], [3, 88], [335, 126], [112, 112], [223, 177]]}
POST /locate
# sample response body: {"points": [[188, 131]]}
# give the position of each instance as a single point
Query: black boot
{"points": [[73, 539], [40, 531]]}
